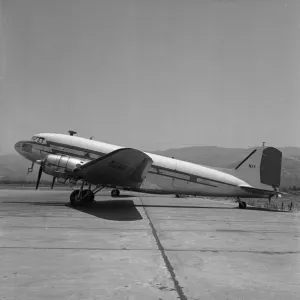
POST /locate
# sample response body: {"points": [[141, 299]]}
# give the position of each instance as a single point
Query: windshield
{"points": [[38, 139]]}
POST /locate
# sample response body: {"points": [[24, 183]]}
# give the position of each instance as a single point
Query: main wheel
{"points": [[242, 204], [74, 199], [115, 193]]}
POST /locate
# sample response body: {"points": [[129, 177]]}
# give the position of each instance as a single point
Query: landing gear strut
{"points": [[242, 204]]}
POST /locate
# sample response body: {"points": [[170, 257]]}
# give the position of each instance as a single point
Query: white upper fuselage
{"points": [[167, 175]]}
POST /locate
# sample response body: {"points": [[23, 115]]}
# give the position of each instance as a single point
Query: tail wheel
{"points": [[242, 204]]}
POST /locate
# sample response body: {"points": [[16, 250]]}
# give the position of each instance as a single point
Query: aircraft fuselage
{"points": [[166, 175]]}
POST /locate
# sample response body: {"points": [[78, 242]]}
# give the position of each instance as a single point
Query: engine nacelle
{"points": [[61, 165]]}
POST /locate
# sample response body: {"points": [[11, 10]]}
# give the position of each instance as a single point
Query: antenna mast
{"points": [[72, 132]]}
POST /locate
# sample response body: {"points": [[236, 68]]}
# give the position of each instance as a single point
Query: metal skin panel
{"points": [[60, 165]]}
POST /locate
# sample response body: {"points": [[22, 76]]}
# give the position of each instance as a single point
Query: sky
{"points": [[151, 74]]}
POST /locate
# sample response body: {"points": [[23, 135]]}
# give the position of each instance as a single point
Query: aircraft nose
{"points": [[18, 146]]}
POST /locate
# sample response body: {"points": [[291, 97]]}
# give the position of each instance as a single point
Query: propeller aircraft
{"points": [[71, 159]]}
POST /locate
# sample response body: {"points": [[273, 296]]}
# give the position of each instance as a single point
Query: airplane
{"points": [[72, 159]]}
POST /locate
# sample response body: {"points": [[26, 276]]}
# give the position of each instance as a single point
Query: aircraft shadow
{"points": [[183, 206], [125, 196], [116, 210]]}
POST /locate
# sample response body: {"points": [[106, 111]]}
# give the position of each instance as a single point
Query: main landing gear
{"points": [[242, 204], [82, 196]]}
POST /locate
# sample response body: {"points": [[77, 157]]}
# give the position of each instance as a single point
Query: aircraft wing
{"points": [[124, 167]]}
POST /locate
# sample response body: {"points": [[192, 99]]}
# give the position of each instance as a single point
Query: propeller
{"points": [[53, 181], [41, 163], [39, 176]]}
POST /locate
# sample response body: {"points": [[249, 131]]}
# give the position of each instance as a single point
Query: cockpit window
{"points": [[39, 140]]}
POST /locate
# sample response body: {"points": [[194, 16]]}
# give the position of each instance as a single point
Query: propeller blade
{"points": [[53, 181], [39, 176]]}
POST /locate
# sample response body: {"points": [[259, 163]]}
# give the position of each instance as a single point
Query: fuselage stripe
{"points": [[187, 180]]}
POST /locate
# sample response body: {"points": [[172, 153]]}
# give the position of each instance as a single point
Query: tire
{"points": [[115, 193], [73, 198], [242, 204], [87, 197]]}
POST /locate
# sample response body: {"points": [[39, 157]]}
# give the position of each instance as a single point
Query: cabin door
{"points": [[181, 181]]}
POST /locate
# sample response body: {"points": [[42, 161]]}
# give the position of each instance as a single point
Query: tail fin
{"points": [[261, 168]]}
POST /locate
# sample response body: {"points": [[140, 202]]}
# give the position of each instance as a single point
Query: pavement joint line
{"points": [[74, 248], [149, 249], [147, 229], [167, 262]]}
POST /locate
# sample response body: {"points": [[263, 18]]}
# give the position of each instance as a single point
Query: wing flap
{"points": [[125, 167]]}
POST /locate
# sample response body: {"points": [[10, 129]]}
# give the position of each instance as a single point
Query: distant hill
{"points": [[229, 158], [207, 155], [14, 167]]}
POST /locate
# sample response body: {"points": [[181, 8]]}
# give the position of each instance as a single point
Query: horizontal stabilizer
{"points": [[125, 167], [259, 191]]}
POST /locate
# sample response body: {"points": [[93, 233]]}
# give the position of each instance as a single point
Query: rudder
{"points": [[270, 167]]}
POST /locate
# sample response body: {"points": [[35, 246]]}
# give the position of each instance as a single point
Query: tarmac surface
{"points": [[144, 247]]}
